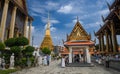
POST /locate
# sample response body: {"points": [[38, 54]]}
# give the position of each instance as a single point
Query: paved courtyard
{"points": [[55, 68]]}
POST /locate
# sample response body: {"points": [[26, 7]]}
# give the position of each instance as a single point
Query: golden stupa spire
{"points": [[48, 26], [47, 41]]}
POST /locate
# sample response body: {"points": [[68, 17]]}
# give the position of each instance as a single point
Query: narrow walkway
{"points": [[55, 68]]}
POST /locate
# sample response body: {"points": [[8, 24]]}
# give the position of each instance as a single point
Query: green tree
{"points": [[2, 46], [21, 41], [46, 50], [16, 50], [29, 50], [10, 42]]}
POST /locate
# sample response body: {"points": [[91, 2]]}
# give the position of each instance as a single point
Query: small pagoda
{"points": [[78, 43]]}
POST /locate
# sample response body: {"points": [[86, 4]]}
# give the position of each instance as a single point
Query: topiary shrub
{"points": [[29, 50], [10, 42], [21, 41], [16, 50], [2, 46], [46, 51]]}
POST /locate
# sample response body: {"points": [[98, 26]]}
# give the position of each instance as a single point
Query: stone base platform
{"points": [[80, 65]]}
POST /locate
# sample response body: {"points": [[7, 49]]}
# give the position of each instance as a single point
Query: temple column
{"points": [[107, 41], [29, 34], [110, 41], [70, 54], [12, 23], [102, 42], [3, 20], [25, 26], [99, 38], [113, 33]]}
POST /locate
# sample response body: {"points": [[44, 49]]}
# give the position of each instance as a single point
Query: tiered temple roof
{"points": [[78, 37]]}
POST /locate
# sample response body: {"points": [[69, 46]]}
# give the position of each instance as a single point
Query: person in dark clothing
{"points": [[48, 59], [107, 61]]}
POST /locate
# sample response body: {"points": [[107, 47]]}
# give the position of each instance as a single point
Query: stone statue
{"points": [[12, 61], [0, 63], [3, 63]]}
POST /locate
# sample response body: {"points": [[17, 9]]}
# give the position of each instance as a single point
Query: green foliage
{"points": [[2, 46], [16, 50], [32, 59], [8, 71], [46, 50], [23, 62], [21, 41], [10, 42], [29, 50]]}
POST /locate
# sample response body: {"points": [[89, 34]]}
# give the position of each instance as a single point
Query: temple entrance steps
{"points": [[80, 65]]}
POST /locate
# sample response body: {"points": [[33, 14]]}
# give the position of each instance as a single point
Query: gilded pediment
{"points": [[78, 33]]}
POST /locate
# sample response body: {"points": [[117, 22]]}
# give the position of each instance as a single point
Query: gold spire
{"points": [[47, 41], [48, 26]]}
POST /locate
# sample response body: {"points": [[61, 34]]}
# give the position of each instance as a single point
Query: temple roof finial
{"points": [[108, 5], [77, 19], [48, 22], [103, 19]]}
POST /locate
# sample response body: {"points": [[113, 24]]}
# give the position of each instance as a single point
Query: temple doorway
{"points": [[79, 55]]}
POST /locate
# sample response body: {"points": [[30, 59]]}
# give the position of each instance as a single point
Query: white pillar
{"points": [[25, 26], [12, 23], [70, 55], [88, 58], [3, 20]]}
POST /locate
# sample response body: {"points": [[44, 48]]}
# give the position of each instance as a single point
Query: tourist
{"points": [[107, 61], [39, 60], [42, 60], [63, 62], [66, 60], [48, 59], [45, 60]]}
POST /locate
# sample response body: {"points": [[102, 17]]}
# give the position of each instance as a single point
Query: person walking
{"points": [[45, 60], [48, 59], [107, 61], [63, 62]]}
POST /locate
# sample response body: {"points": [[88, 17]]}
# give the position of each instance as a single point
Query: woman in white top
{"points": [[45, 60], [63, 62]]}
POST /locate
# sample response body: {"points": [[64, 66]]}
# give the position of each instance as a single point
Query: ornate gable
{"points": [[78, 33]]}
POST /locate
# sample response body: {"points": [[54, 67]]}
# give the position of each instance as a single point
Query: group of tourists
{"points": [[41, 59], [46, 60], [105, 59]]}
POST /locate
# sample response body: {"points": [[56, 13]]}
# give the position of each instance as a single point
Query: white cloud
{"points": [[65, 9], [53, 29], [52, 20], [103, 12], [52, 4], [93, 25], [71, 24]]}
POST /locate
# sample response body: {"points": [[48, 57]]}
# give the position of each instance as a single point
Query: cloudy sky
{"points": [[63, 15]]}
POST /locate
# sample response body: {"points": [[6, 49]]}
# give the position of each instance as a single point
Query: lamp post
{"points": [[32, 40]]}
